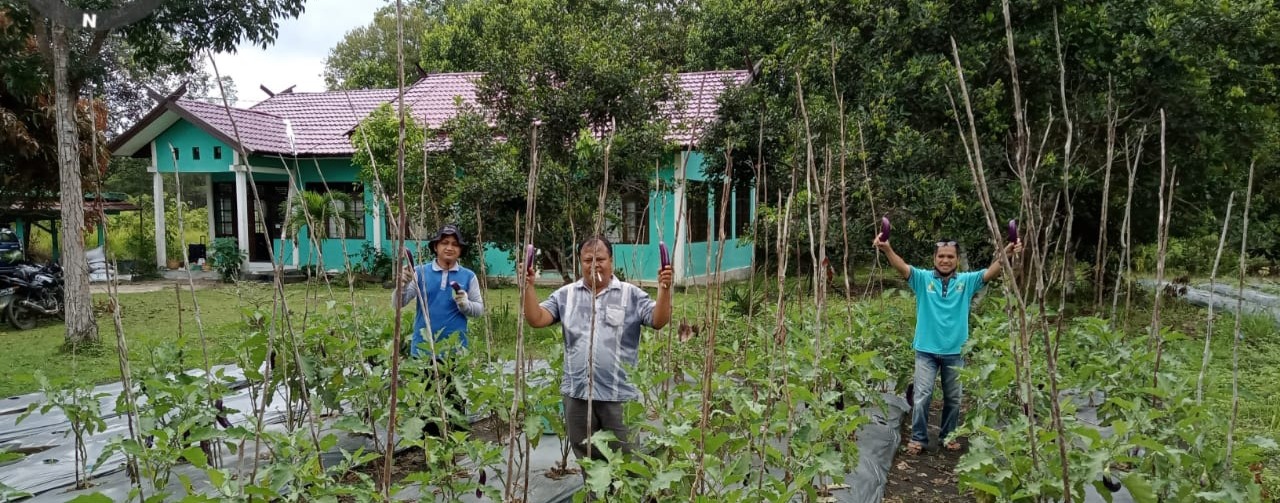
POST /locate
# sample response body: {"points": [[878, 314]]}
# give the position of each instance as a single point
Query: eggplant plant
{"points": [[1156, 441], [179, 414], [83, 410]]}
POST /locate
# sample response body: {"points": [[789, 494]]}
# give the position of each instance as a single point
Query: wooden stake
{"points": [[1235, 345], [1213, 276]]}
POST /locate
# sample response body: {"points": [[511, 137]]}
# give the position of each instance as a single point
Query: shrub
{"points": [[227, 258]]}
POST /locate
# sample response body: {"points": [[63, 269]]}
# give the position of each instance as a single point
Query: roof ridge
{"points": [[331, 91], [224, 108], [700, 72]]}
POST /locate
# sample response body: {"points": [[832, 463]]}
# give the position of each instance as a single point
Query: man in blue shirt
{"points": [[942, 327], [446, 293]]}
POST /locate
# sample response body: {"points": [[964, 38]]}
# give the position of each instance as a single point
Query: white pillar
{"points": [[208, 204], [377, 224], [157, 196], [293, 243], [681, 245], [242, 210]]}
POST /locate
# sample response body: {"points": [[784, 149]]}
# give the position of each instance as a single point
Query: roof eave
{"points": [[177, 108], [125, 144]]}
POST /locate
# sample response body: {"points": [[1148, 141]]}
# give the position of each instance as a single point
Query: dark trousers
{"points": [[604, 416]]}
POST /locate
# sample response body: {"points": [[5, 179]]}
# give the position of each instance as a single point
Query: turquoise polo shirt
{"points": [[942, 313]]}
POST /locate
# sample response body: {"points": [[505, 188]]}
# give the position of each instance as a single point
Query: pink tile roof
{"points": [[320, 122], [433, 99], [696, 109], [258, 132]]}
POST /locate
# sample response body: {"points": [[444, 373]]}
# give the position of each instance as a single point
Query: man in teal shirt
{"points": [[942, 327]]}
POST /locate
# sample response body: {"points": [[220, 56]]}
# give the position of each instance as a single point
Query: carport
{"points": [[46, 217]]}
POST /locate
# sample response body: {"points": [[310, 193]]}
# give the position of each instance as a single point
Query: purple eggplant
{"points": [[884, 228], [221, 416], [662, 254], [1013, 231], [528, 256], [408, 255]]}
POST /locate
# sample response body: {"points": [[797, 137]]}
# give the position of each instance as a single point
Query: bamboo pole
{"points": [[1235, 345], [388, 454], [974, 155], [1100, 254], [1051, 350], [1166, 213], [1213, 276]]}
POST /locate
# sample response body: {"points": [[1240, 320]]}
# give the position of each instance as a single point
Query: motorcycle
{"points": [[37, 291], [6, 297]]}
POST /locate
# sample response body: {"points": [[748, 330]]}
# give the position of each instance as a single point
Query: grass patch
{"points": [[152, 319]]}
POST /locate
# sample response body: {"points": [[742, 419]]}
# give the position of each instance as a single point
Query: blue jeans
{"points": [[928, 365]]}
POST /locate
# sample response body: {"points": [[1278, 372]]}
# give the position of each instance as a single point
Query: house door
{"points": [[274, 196]]}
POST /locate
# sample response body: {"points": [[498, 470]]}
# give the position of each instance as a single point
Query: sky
{"points": [[297, 57]]}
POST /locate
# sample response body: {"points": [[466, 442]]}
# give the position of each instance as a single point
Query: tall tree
{"points": [[169, 37], [592, 73], [1211, 65], [28, 143], [127, 89], [365, 58]]}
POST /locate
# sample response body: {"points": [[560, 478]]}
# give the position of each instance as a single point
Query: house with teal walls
{"points": [[296, 142]]}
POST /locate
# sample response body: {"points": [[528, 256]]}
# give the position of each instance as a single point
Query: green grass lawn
{"points": [[151, 319]]}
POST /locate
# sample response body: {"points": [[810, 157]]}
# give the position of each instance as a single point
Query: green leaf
{"points": [[327, 442], [280, 476], [1139, 488], [91, 498], [6, 456], [715, 441], [599, 477], [984, 487], [216, 478], [1103, 491], [196, 457], [664, 480], [973, 461]]}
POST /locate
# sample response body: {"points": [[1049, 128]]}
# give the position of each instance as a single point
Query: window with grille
{"points": [[717, 206], [697, 195], [629, 218], [741, 210], [224, 210]]}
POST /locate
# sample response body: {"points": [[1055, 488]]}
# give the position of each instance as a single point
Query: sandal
{"points": [[953, 446], [914, 448]]}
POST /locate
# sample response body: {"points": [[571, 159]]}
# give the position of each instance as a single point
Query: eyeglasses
{"points": [[940, 244]]}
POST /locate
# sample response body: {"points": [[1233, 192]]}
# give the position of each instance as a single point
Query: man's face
{"points": [[597, 265], [944, 259], [448, 249]]}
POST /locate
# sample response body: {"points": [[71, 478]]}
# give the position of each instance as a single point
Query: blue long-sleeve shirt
{"points": [[444, 317]]}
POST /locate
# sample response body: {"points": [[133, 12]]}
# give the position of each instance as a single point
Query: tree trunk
{"points": [[81, 327]]}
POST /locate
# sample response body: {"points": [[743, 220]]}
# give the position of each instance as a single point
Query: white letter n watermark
{"points": [[90, 21]]}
